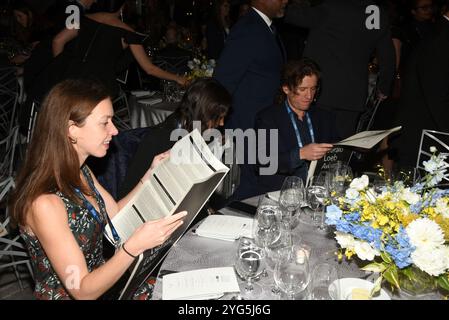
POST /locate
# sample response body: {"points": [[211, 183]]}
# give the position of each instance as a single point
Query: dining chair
{"points": [[432, 138], [7, 154], [9, 96]]}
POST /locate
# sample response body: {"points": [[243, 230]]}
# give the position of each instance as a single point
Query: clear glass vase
{"points": [[415, 282]]}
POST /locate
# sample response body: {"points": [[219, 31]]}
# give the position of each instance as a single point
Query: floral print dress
{"points": [[88, 233]]}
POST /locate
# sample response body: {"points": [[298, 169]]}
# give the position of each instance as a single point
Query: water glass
{"points": [[291, 273], [249, 264], [324, 283], [290, 199]]}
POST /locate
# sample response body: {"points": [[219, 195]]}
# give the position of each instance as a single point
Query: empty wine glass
{"points": [[249, 264], [318, 194], [292, 272], [324, 283], [267, 222], [291, 197]]}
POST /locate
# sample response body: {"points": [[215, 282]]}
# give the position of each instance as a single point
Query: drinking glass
{"points": [[291, 273], [267, 222], [318, 196], [340, 178], [290, 199], [324, 284], [249, 264]]}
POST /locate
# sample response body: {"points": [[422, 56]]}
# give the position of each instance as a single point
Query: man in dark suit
{"points": [[343, 36], [303, 133], [249, 68], [424, 102]]}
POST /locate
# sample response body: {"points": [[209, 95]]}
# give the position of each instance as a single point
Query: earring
{"points": [[73, 141]]}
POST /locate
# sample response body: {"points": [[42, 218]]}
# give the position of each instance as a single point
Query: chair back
{"points": [[432, 138], [7, 155], [9, 96], [122, 115]]}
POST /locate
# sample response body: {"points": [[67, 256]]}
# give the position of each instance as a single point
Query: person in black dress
{"points": [[102, 41]]}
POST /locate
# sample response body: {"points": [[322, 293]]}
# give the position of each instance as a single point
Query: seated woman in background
{"points": [[60, 207], [102, 42], [206, 100]]}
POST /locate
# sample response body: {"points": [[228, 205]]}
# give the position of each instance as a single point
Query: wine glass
{"points": [[291, 197], [292, 272], [324, 282], [318, 194], [267, 223], [249, 264], [339, 179]]}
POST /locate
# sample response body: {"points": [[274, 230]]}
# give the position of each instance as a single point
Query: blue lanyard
{"points": [[295, 126], [94, 214]]}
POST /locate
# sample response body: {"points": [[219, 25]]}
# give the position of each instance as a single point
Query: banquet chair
{"points": [[14, 254], [122, 117], [9, 96], [7, 151], [32, 120], [437, 139]]}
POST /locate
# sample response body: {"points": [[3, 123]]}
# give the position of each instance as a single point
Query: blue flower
{"points": [[355, 216], [333, 214], [344, 226]]}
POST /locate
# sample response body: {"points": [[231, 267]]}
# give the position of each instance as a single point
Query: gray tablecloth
{"points": [[194, 252], [146, 112]]}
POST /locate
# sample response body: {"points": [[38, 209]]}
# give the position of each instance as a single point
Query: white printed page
{"points": [[199, 284], [225, 227], [366, 139]]}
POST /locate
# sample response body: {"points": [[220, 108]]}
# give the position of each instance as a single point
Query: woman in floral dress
{"points": [[61, 208]]}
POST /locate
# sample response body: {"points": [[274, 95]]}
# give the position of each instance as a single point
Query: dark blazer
{"points": [[424, 102], [249, 68], [341, 44], [155, 141], [277, 117], [216, 37]]}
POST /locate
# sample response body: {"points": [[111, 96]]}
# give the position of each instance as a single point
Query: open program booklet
{"points": [[364, 140], [182, 182]]}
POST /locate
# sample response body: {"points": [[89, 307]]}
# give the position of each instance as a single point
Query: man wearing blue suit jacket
{"points": [[304, 132], [249, 68]]}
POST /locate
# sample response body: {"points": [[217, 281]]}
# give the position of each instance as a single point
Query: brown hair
{"points": [[294, 72], [51, 163]]}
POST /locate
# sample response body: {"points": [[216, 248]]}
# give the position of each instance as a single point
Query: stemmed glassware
{"points": [[249, 264], [290, 199], [267, 223], [324, 283], [291, 273], [318, 196], [340, 177]]}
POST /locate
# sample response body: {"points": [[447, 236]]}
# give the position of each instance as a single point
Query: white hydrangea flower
{"points": [[425, 234], [351, 194], [360, 183], [364, 250], [434, 262], [409, 196], [442, 207], [433, 149], [345, 240]]}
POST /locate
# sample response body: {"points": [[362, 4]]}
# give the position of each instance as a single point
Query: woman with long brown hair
{"points": [[60, 207]]}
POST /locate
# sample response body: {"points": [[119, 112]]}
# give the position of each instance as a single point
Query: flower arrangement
{"points": [[403, 231], [201, 68]]}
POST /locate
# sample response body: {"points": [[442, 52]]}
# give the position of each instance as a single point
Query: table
{"points": [[149, 111], [194, 252]]}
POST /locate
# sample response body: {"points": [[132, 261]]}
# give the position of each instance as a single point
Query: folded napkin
{"points": [[200, 284], [224, 227]]}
